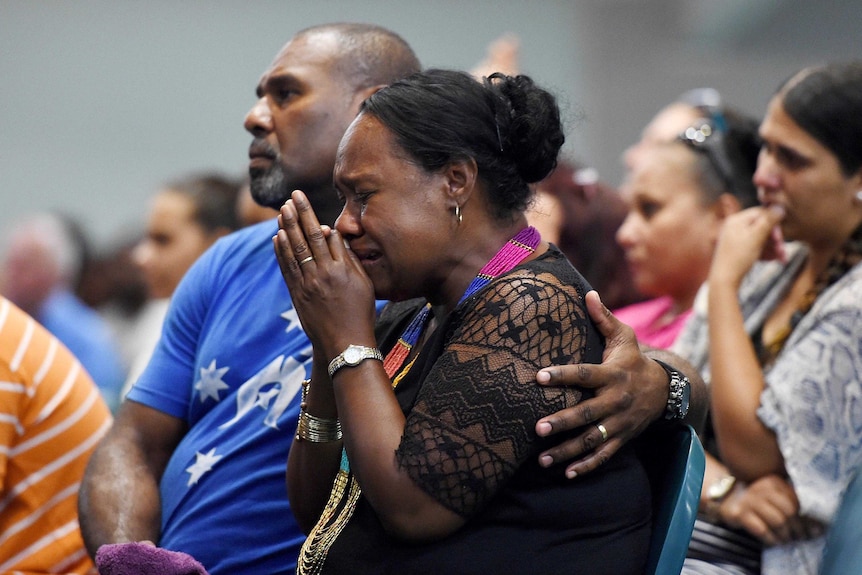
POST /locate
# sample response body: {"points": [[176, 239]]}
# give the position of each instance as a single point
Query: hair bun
{"points": [[528, 121]]}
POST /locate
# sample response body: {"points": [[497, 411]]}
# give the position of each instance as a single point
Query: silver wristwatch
{"points": [[679, 394], [352, 356]]}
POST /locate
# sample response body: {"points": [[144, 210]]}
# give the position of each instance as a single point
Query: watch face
{"points": [[720, 488], [352, 355], [686, 398]]}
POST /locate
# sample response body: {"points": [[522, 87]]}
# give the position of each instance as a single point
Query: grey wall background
{"points": [[102, 101]]}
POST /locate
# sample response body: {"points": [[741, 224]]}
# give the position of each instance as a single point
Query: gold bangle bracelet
{"points": [[317, 429], [312, 428]]}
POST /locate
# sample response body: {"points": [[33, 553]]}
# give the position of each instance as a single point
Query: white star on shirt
{"points": [[292, 320], [202, 464], [211, 382]]}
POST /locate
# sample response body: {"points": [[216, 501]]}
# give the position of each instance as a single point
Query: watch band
{"points": [[716, 493], [353, 355], [678, 394]]}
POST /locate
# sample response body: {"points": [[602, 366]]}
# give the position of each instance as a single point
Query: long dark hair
{"points": [[826, 102]]}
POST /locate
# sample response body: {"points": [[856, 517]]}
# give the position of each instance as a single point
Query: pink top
{"points": [[643, 318]]}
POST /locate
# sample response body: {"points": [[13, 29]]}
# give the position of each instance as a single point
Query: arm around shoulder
{"points": [[631, 391], [119, 499]]}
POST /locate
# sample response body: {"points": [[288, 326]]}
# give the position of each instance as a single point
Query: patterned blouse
{"points": [[813, 394]]}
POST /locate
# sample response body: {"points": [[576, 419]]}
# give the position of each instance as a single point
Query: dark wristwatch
{"points": [[679, 394]]}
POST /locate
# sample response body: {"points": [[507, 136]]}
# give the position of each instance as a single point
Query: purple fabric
{"points": [[145, 559]]}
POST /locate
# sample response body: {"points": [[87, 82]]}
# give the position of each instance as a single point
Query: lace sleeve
{"points": [[474, 419]]}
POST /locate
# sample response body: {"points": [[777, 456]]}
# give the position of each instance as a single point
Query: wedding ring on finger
{"points": [[603, 430], [306, 260]]}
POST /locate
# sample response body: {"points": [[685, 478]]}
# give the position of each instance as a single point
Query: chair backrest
{"points": [[843, 552], [675, 462]]}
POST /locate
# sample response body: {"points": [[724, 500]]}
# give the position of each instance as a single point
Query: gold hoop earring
{"points": [[458, 213]]}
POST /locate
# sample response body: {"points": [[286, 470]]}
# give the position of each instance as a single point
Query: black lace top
{"points": [[472, 404]]}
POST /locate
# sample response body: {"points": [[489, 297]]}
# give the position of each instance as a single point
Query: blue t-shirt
{"points": [[230, 362]]}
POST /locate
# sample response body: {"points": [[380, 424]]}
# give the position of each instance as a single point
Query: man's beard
{"points": [[269, 187]]}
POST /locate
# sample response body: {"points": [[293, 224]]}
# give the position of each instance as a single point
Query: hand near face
{"points": [[331, 292], [746, 237], [774, 248]]}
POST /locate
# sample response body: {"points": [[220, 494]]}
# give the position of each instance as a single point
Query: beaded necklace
{"points": [[511, 254], [339, 509]]}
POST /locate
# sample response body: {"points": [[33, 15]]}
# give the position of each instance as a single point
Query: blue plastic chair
{"points": [[843, 552], [675, 462]]}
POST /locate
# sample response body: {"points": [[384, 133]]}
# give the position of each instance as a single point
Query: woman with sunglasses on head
{"points": [[784, 336], [679, 193], [416, 449]]}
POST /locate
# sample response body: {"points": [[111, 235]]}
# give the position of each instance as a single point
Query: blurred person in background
{"points": [[728, 542], [186, 217], [672, 119], [572, 208], [580, 214], [113, 285], [40, 271], [51, 417], [678, 192]]}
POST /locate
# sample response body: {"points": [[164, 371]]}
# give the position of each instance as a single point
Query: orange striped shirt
{"points": [[51, 417]]}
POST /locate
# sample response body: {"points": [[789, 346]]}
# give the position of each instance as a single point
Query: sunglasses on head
{"points": [[708, 101], [705, 138]]}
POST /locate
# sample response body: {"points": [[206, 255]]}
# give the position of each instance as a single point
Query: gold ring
{"points": [[603, 431], [306, 260]]}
